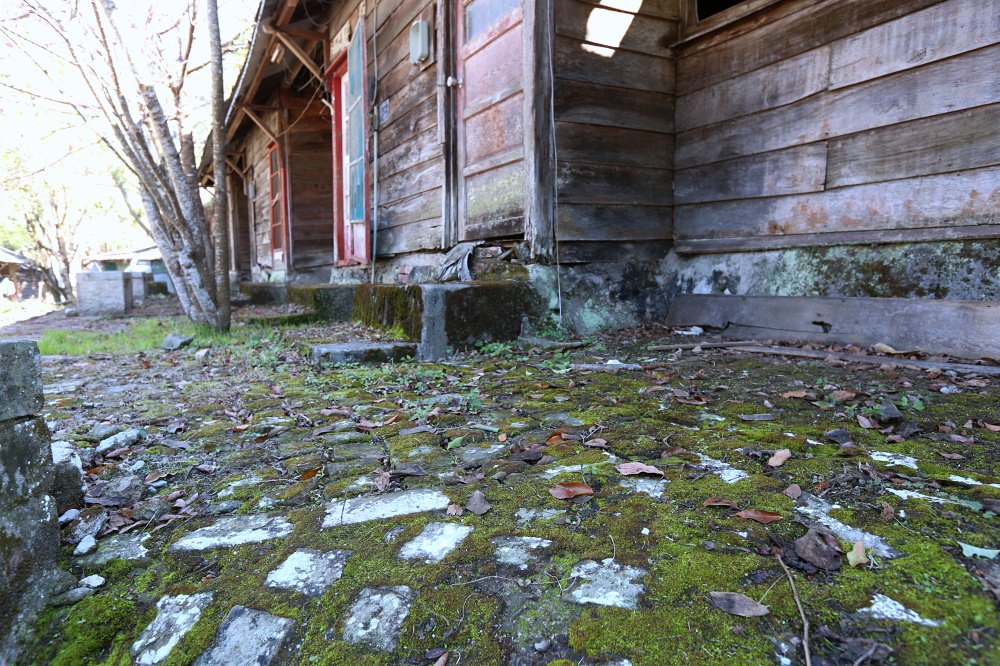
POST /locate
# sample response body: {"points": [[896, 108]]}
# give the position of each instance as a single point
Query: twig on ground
{"points": [[798, 602]]}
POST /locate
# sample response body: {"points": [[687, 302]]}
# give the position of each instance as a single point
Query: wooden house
{"points": [[645, 148]]}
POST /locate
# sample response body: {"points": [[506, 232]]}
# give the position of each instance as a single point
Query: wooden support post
{"points": [[286, 40]]}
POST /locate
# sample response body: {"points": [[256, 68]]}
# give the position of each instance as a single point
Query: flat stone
{"points": [[69, 516], [435, 542], [87, 545], [376, 617], [527, 516], [885, 608], [173, 342], [117, 547], [121, 440], [101, 431], [376, 507], [652, 487], [73, 596], [724, 471], [309, 571], [520, 552], [607, 583], [363, 352], [234, 531], [174, 617], [20, 379], [239, 483], [819, 509], [479, 455], [248, 636], [912, 494], [895, 459], [93, 582], [562, 418]]}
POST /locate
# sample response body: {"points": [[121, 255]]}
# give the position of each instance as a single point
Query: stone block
{"points": [[20, 379], [103, 292], [25, 460], [264, 293], [67, 478], [363, 352], [138, 286], [333, 302]]}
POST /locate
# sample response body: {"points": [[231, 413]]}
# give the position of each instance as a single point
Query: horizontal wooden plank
{"points": [[417, 150], [595, 104], [935, 33], [625, 69], [400, 127], [614, 28], [664, 9], [493, 73], [413, 237], [495, 130], [782, 83], [421, 206], [734, 52], [586, 222], [596, 144], [952, 142], [963, 328], [611, 184], [497, 194], [961, 82], [829, 239], [957, 199], [791, 171], [598, 252], [420, 178]]}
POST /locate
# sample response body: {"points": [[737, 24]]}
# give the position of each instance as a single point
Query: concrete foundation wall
{"points": [[103, 292], [29, 536]]}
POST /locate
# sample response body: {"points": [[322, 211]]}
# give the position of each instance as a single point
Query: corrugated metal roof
{"points": [[11, 257]]}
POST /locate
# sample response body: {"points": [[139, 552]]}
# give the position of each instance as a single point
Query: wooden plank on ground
{"points": [[962, 328], [867, 358], [952, 142], [795, 170]]}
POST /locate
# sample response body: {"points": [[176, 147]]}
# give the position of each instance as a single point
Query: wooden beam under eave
{"points": [[259, 123], [296, 50]]}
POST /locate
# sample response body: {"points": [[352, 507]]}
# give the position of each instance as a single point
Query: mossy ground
{"points": [[254, 410]]}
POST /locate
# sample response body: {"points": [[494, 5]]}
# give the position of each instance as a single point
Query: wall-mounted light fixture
{"points": [[420, 42]]}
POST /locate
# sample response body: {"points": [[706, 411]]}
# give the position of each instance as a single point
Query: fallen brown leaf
{"points": [[759, 515], [857, 555], [793, 491], [596, 443], [793, 394], [951, 456], [779, 457], [633, 468], [735, 603], [309, 473], [477, 503], [570, 490], [718, 501], [454, 510]]}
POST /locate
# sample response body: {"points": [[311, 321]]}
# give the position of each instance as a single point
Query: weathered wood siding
{"points": [[310, 185], [614, 116], [255, 149], [842, 121]]}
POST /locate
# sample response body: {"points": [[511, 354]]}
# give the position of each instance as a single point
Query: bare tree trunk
{"points": [[220, 220]]}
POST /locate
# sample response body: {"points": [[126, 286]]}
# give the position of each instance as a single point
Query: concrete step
{"points": [[363, 352]]}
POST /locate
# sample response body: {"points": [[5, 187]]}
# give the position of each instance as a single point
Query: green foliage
{"points": [[496, 349], [91, 627]]}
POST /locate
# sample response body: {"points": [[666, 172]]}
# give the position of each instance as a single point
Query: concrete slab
{"points": [[723, 470], [376, 507], [650, 486], [376, 617], [248, 636], [819, 509], [309, 571], [174, 617], [607, 583], [520, 551], [362, 352], [885, 608], [435, 542], [234, 531]]}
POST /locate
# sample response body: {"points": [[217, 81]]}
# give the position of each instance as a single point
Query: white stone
{"points": [[309, 571], [174, 617], [93, 582], [970, 482], [884, 608], [375, 507], [377, 616], [435, 542], [239, 483], [724, 471], [234, 531], [527, 516], [87, 545], [248, 636], [895, 459], [69, 516], [607, 583], [553, 472], [519, 551], [911, 494], [650, 486], [64, 452], [117, 547], [819, 509], [122, 439]]}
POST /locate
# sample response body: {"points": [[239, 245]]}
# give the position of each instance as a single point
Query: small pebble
{"points": [[93, 582], [87, 545], [645, 531], [69, 516], [158, 484], [543, 645]]}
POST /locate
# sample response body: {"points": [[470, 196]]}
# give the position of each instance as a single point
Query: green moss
{"points": [[397, 308], [90, 630]]}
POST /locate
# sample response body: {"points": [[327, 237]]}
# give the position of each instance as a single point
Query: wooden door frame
{"points": [[335, 74], [540, 225]]}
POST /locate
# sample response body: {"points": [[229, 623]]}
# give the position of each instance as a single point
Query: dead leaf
{"points": [[454, 510], [153, 477], [867, 423], [735, 603], [383, 480], [207, 469], [442, 660], [633, 468], [557, 436], [793, 394], [779, 457], [760, 515], [991, 427], [793, 491], [694, 400], [118, 453], [844, 396], [887, 512], [951, 456], [570, 490], [309, 473], [718, 501], [597, 443], [757, 417], [857, 555], [336, 411], [477, 503], [819, 551], [241, 428]]}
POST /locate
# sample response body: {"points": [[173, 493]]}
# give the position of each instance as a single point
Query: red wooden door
{"points": [[489, 118]]}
